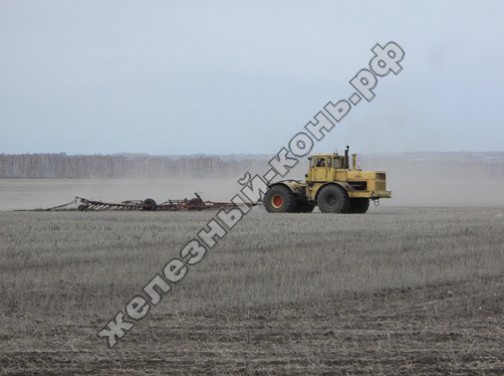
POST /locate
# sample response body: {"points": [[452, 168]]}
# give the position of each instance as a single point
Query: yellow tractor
{"points": [[331, 185]]}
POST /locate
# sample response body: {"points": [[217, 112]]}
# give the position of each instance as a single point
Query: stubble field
{"points": [[412, 291]]}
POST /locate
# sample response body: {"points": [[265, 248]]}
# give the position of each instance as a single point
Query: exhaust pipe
{"points": [[347, 161]]}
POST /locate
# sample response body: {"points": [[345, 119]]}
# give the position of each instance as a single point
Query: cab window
{"points": [[338, 163], [321, 162]]}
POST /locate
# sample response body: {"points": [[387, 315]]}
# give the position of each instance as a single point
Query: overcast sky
{"points": [[165, 77]]}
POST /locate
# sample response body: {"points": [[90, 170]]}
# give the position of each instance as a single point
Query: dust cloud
{"points": [[437, 179], [22, 194], [425, 179]]}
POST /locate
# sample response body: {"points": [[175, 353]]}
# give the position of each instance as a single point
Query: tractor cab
{"points": [[327, 167]]}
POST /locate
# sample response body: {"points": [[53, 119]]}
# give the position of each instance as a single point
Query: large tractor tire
{"points": [[305, 207], [280, 199], [359, 205], [333, 199]]}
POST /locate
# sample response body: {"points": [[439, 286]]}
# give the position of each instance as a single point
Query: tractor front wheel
{"points": [[280, 199], [333, 199]]}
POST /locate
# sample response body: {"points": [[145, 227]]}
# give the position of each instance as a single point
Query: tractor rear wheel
{"points": [[359, 205], [280, 199], [333, 199]]}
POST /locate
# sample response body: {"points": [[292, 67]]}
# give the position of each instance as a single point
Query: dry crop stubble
{"points": [[418, 288]]}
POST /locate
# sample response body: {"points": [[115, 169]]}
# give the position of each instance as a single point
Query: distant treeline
{"points": [[106, 166], [144, 166]]}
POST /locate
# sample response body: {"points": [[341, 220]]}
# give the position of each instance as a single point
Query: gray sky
{"points": [[165, 77]]}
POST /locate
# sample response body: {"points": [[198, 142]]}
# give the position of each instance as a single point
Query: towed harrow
{"points": [[196, 203]]}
